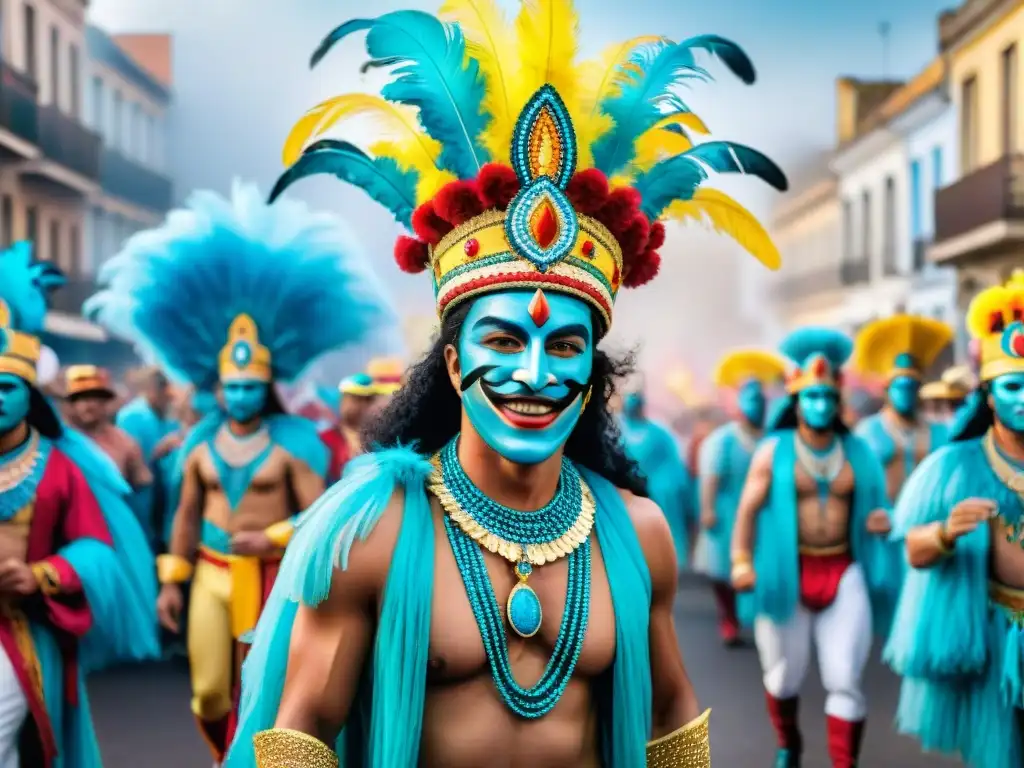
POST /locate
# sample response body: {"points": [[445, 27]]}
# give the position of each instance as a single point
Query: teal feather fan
{"points": [[835, 346], [174, 290], [24, 286]]}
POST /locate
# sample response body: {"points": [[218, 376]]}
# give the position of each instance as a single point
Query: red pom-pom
{"points": [[428, 226], [497, 185], [656, 237], [411, 254], [633, 239], [619, 209], [642, 270], [458, 202], [588, 191]]}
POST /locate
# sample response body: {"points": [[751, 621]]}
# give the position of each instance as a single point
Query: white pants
{"points": [[841, 635], [13, 711]]}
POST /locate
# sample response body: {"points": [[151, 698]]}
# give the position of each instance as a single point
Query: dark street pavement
{"points": [[143, 717]]}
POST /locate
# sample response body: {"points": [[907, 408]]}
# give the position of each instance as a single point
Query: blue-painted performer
{"points": [[810, 544], [77, 589], [656, 452], [958, 639], [723, 462], [461, 555], [900, 349], [236, 294]]}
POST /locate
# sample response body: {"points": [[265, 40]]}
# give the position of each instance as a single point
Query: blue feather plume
{"points": [[24, 285], [835, 346], [433, 74], [731, 55], [380, 178], [677, 178], [174, 290]]}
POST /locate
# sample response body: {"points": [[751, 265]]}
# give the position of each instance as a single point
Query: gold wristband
{"points": [[942, 539], [280, 533], [741, 557], [689, 747], [46, 577], [284, 748], [173, 569]]}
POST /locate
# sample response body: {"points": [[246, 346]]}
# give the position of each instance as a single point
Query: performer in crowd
{"points": [[76, 584], [236, 294], [656, 452], [429, 537], [810, 544], [945, 398], [724, 459], [900, 349], [958, 639], [146, 417]]}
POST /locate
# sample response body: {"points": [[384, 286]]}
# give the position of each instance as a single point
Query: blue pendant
{"points": [[524, 611]]}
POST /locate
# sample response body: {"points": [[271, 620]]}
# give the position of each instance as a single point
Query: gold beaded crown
{"points": [[243, 357], [19, 352], [518, 167], [996, 319]]}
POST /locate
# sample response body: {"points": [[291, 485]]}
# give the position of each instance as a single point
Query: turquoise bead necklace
{"points": [[561, 528]]}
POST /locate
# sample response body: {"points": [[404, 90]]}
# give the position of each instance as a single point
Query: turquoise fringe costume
{"points": [[386, 721], [872, 430], [960, 657]]}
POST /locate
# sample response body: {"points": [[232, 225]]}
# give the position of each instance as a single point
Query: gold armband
{"points": [[172, 569], [280, 533], [740, 557], [942, 540], [284, 748], [689, 747], [47, 577]]}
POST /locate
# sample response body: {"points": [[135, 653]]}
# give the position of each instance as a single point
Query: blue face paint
{"points": [[1006, 395], [751, 403], [818, 406], [523, 385], [244, 399], [903, 395], [15, 399]]}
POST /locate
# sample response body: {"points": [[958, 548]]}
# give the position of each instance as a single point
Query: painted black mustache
{"points": [[575, 387]]}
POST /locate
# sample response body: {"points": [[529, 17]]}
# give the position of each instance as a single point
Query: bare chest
{"points": [[265, 499], [917, 443], [1007, 555], [824, 513], [14, 536], [116, 445]]}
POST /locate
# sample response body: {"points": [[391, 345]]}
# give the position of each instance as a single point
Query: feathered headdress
{"points": [[900, 345], [229, 288], [819, 355], [599, 152], [24, 285], [743, 365], [995, 319]]}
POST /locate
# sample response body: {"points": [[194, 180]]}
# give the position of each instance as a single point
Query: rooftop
{"points": [[144, 60]]}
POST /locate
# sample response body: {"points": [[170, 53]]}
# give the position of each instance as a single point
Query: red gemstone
{"points": [[540, 311], [1017, 344], [820, 367], [472, 247], [588, 248], [544, 225]]}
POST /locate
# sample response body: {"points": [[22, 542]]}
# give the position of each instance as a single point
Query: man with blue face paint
{"points": [[656, 452], [899, 349], [958, 640], [233, 295], [76, 584], [809, 546], [724, 460], [493, 558]]}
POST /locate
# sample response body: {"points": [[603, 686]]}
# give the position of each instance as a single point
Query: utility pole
{"points": [[883, 32]]}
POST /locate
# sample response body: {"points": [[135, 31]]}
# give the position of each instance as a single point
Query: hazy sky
{"points": [[241, 80]]}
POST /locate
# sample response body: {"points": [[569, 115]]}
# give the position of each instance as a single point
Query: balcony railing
{"points": [[855, 271], [70, 297], [990, 194], [133, 183], [810, 283], [19, 112], [66, 141]]}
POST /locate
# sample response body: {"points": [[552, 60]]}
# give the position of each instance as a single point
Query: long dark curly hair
{"points": [[427, 412]]}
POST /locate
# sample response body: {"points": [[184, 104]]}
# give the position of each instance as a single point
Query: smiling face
{"points": [[244, 399], [817, 406], [903, 395], [1006, 399], [15, 399], [752, 404], [523, 381]]}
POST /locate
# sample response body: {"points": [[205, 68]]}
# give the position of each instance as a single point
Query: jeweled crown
{"points": [[995, 318], [19, 352], [815, 371], [243, 357]]}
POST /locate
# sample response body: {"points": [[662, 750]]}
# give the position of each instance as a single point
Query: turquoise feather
{"points": [[380, 178], [434, 74], [835, 345], [731, 55], [24, 285]]}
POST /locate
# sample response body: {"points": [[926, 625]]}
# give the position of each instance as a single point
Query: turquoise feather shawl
{"points": [[776, 556], [386, 722], [960, 659], [872, 430], [724, 456]]}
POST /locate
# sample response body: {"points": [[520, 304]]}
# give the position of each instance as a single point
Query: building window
{"points": [[7, 220], [97, 106], [116, 125], [55, 242], [1010, 100], [76, 83], [74, 250], [916, 229], [969, 125], [136, 131], [938, 171], [865, 226], [889, 227], [847, 231], [55, 67], [98, 232], [31, 61], [32, 227]]}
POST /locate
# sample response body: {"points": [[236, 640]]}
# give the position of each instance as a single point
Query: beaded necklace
{"points": [[561, 528], [20, 473]]}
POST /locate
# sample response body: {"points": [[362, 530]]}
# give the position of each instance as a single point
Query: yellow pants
{"points": [[211, 644]]}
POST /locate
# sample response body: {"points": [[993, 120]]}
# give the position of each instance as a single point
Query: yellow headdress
{"points": [[994, 318], [19, 352], [599, 152], [956, 383], [243, 357], [737, 368], [901, 345], [383, 376], [87, 378]]}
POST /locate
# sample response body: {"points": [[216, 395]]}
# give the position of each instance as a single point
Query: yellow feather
{"points": [[687, 120], [404, 153], [723, 214], [396, 123], [656, 144], [489, 40]]}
